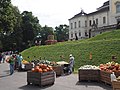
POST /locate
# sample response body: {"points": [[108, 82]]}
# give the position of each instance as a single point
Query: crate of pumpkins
{"points": [[41, 75], [107, 69]]}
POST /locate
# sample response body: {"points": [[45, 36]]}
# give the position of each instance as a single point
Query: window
{"points": [[90, 23], [75, 24], [117, 6], [85, 23], [104, 20], [79, 24], [71, 35], [71, 25], [97, 21], [93, 22], [79, 33]]}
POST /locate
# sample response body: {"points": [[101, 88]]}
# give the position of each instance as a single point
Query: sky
{"points": [[55, 12]]}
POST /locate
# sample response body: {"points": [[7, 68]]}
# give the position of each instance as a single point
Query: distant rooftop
{"points": [[103, 8], [82, 13]]}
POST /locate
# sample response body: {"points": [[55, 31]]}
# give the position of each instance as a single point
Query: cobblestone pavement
{"points": [[18, 81]]}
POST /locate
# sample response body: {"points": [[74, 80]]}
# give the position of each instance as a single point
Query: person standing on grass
{"points": [[71, 64]]}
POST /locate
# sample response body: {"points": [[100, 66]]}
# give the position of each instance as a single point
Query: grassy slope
{"points": [[101, 47]]}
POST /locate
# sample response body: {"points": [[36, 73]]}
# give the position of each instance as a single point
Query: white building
{"points": [[105, 18]]}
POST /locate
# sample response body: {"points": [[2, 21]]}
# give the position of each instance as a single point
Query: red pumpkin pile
{"points": [[110, 67], [42, 68]]}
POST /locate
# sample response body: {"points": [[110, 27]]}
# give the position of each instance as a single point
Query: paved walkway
{"points": [[18, 81]]}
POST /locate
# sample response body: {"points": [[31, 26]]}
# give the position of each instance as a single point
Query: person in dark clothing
{"points": [[0, 57]]}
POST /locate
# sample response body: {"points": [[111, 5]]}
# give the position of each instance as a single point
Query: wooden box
{"points": [[28, 66], [89, 75], [116, 85], [58, 70], [41, 79], [105, 76]]}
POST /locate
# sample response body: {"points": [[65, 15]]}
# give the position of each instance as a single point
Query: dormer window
{"points": [[117, 7]]}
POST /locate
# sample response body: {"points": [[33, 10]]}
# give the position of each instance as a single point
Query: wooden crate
{"points": [[28, 66], [88, 75], [105, 76], [116, 85], [58, 70], [41, 79]]}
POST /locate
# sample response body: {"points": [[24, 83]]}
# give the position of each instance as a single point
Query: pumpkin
{"points": [[101, 65], [37, 68], [44, 70], [40, 70], [50, 69], [44, 66], [40, 65]]}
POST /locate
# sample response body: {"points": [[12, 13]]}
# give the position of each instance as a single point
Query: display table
{"points": [[62, 62]]}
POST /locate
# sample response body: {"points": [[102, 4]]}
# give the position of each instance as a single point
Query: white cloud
{"points": [[56, 12]]}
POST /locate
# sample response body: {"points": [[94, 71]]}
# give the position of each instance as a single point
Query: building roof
{"points": [[82, 13], [103, 8], [105, 4]]}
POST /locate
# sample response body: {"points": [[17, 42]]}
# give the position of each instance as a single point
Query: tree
{"points": [[7, 17], [45, 32], [30, 27], [62, 32], [8, 22], [17, 36]]}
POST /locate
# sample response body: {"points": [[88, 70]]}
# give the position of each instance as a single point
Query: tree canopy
{"points": [[62, 32], [18, 31]]}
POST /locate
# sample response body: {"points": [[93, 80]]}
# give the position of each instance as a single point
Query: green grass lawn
{"points": [[102, 47]]}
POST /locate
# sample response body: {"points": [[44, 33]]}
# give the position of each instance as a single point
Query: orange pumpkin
{"points": [[101, 65], [37, 68], [41, 65], [40, 70], [50, 69], [44, 70], [44, 66]]}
